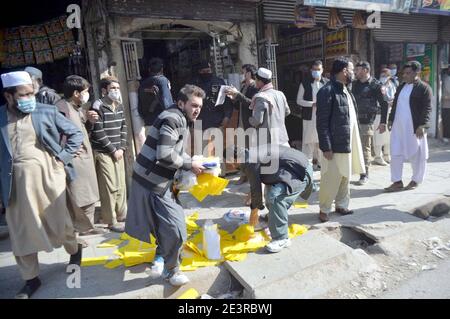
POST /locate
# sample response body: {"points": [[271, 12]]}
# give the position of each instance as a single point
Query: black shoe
{"points": [[29, 289], [75, 259], [343, 211]]}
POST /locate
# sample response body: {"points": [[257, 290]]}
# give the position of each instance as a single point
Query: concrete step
{"points": [[313, 265]]}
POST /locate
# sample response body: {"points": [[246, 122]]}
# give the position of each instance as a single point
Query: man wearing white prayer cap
{"points": [[270, 109], [33, 168], [44, 94]]}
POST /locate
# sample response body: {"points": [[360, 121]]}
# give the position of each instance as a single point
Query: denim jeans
{"points": [[278, 202]]}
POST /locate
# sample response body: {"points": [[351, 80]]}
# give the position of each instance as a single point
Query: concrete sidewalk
{"points": [[381, 232]]}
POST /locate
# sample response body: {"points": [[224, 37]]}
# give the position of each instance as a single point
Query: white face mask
{"points": [[383, 79], [84, 97], [393, 72], [114, 95]]}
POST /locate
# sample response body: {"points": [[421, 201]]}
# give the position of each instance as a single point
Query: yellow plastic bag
{"points": [[131, 258], [208, 185], [300, 205], [189, 294], [94, 261], [244, 233], [114, 264], [297, 230], [110, 244]]}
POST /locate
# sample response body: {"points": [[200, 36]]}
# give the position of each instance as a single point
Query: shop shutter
{"points": [[445, 32], [407, 28], [217, 10], [283, 12]]}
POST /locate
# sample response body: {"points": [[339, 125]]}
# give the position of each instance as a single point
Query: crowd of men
{"points": [[58, 160]]}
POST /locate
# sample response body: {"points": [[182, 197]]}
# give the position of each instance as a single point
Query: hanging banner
{"points": [[401, 6], [441, 7], [305, 17]]}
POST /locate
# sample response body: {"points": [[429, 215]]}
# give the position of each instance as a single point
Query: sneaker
{"points": [[117, 228], [363, 180], [177, 279], [387, 159], [380, 161], [275, 246], [158, 267]]}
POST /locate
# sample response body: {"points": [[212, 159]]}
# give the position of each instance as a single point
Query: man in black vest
{"points": [[306, 98], [370, 100]]}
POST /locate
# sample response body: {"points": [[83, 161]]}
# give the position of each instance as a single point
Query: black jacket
{"points": [[243, 102], [154, 97], [370, 100], [286, 165], [333, 118], [47, 95], [211, 115], [307, 96], [420, 103]]}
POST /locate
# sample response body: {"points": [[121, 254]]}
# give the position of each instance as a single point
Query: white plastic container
{"points": [[211, 241]]}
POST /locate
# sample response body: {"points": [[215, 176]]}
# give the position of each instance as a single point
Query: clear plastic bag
{"points": [[185, 180]]}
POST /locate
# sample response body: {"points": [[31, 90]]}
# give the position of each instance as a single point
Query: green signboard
{"points": [[424, 54]]}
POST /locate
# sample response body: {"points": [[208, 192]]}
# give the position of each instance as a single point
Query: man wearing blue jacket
{"points": [[33, 170]]}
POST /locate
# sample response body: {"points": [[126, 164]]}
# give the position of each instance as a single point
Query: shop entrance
{"points": [[182, 49]]}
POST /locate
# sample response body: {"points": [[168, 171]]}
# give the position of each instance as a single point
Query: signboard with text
{"points": [[400, 6]]}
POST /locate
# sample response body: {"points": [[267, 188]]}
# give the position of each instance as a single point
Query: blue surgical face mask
{"points": [[316, 74], [27, 105], [393, 72]]}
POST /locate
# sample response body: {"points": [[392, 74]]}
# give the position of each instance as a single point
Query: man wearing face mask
{"points": [[394, 71], [337, 128], [212, 116], [242, 100], [109, 141], [306, 98], [370, 100], [44, 94], [153, 207], [33, 171], [83, 191], [381, 141]]}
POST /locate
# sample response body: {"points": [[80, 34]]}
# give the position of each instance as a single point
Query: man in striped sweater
{"points": [[109, 139], [152, 206]]}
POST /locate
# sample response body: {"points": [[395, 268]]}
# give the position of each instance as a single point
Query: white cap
{"points": [[13, 79], [265, 73], [34, 72]]}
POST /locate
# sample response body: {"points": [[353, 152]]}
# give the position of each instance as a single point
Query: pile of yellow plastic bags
{"points": [[234, 247], [208, 184]]}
